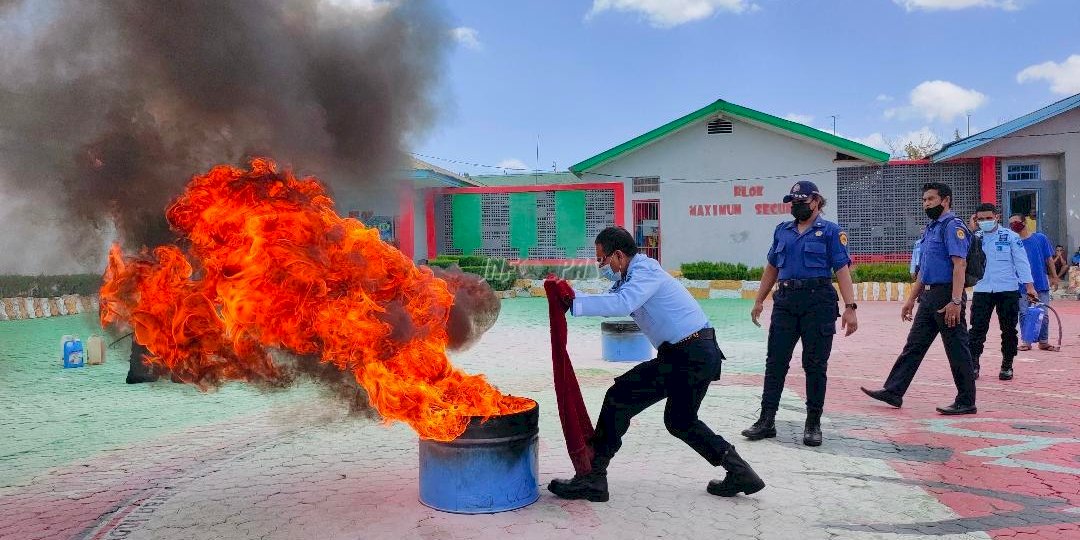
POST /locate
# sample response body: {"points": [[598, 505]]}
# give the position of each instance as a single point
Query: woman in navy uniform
{"points": [[805, 254]]}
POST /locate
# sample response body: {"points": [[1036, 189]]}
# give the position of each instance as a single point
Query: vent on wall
{"points": [[720, 125]]}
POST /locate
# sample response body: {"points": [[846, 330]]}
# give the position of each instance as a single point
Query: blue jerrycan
{"points": [[72, 349], [1033, 321]]}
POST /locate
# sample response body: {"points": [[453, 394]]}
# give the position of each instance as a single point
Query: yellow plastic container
{"points": [[95, 350]]}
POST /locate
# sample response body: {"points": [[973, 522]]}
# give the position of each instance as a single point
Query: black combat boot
{"points": [[591, 486], [1006, 370], [740, 477], [811, 435], [764, 428]]}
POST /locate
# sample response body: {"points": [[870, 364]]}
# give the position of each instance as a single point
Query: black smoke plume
{"points": [[108, 107]]}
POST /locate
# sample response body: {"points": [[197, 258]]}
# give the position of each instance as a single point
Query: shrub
{"points": [[883, 272], [720, 270], [497, 272], [49, 286], [572, 271]]}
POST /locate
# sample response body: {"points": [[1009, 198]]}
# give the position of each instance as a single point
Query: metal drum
{"points": [[492, 467], [622, 341]]}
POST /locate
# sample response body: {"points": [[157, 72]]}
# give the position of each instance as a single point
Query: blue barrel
{"points": [[1032, 323], [72, 352], [493, 467], [622, 341]]}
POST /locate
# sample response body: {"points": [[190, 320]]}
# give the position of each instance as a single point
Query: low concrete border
{"points": [[19, 308]]}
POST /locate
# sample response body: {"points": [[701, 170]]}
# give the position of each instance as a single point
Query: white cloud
{"points": [[513, 163], [873, 140], [1064, 78], [953, 5], [939, 101], [800, 118], [467, 37], [883, 97], [669, 13]]}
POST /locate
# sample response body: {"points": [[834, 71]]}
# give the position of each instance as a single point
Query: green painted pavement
{"points": [[52, 416]]}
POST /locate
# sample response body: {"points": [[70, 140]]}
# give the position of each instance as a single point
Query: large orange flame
{"points": [[271, 265]]}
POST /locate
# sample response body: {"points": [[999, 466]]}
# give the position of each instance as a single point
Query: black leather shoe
{"points": [[884, 396], [590, 486], [955, 409], [811, 435], [740, 477], [1006, 374], [764, 428]]}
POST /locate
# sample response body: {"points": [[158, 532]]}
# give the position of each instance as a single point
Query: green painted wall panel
{"points": [[468, 221], [523, 222], [570, 221]]}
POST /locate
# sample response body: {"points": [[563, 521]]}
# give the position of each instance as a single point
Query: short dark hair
{"points": [[1016, 214], [986, 207], [614, 239], [943, 189]]}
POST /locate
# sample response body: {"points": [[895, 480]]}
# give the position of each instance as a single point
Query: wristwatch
{"points": [[957, 301], [852, 305]]}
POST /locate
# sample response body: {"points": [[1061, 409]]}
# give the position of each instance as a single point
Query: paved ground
{"points": [[91, 457]]}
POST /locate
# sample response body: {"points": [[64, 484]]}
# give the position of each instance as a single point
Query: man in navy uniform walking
{"points": [[804, 254], [687, 360], [940, 292]]}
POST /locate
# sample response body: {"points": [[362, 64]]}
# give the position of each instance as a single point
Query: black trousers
{"points": [[810, 315], [983, 305], [927, 325], [681, 373]]}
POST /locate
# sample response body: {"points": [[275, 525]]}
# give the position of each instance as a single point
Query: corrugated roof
{"points": [[419, 167], [526, 179], [956, 148], [846, 146]]}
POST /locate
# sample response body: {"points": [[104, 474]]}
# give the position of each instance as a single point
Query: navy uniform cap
{"points": [[801, 191]]}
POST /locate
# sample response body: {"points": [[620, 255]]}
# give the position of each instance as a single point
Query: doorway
{"points": [[1038, 197], [647, 227]]}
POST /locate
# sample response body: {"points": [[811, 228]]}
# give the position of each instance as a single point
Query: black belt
{"points": [[704, 333], [805, 283], [936, 286]]}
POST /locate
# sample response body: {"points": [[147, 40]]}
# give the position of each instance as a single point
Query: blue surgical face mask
{"points": [[987, 225], [608, 273]]}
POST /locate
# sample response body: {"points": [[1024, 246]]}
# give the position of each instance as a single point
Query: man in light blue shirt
{"points": [[687, 360], [1006, 264], [913, 267]]}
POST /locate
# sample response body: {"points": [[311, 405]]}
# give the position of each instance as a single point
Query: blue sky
{"points": [[585, 75]]}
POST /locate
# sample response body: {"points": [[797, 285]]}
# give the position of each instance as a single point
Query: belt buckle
{"points": [[691, 336]]}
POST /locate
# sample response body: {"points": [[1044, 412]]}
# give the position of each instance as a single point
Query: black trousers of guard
{"points": [[927, 325], [807, 314], [983, 304], [681, 373]]}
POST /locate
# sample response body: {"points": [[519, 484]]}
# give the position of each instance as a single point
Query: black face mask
{"points": [[935, 212], [801, 211]]}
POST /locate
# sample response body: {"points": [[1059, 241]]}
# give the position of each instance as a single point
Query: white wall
{"points": [[751, 151], [1065, 147]]}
